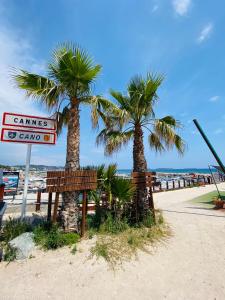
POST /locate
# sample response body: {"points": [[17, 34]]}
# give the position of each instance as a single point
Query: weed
{"points": [[13, 228], [91, 232], [149, 220], [94, 221], [74, 249], [70, 238], [101, 250], [112, 225], [49, 236], [131, 240], [160, 219], [9, 253], [123, 245]]}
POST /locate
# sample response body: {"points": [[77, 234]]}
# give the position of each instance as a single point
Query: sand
{"points": [[189, 265]]}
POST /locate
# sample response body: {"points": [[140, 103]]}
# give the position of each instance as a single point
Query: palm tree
{"points": [[67, 85], [131, 115]]}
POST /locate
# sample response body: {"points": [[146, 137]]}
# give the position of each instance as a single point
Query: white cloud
{"points": [[15, 51], [181, 7], [214, 98], [205, 33], [218, 131]]}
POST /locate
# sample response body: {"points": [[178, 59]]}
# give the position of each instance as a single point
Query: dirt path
{"points": [[190, 265]]}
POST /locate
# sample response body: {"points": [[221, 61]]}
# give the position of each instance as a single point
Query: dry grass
{"points": [[121, 247]]}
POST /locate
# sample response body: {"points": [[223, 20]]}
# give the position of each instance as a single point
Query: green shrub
{"points": [[135, 240], [130, 240], [122, 190], [113, 225], [101, 250], [49, 236], [9, 253], [94, 221], [74, 249], [149, 220], [160, 219], [70, 238], [91, 232], [13, 228]]}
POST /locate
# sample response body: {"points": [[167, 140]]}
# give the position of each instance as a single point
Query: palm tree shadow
{"points": [[201, 208], [192, 213]]}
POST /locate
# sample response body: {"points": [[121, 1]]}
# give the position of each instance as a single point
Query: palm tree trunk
{"points": [[139, 161], [70, 208], [140, 165]]}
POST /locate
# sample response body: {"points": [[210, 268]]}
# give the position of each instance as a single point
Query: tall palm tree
{"points": [[132, 114], [68, 84]]}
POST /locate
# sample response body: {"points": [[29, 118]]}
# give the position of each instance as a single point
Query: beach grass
{"points": [[123, 246], [207, 199]]}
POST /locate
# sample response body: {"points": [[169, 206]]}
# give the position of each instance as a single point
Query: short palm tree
{"points": [[67, 86], [133, 113]]}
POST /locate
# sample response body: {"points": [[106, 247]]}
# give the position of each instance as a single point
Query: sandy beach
{"points": [[189, 265]]}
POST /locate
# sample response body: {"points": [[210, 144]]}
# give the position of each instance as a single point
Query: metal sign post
{"points": [[214, 181], [209, 145], [26, 180]]}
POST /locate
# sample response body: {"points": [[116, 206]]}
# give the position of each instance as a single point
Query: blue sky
{"points": [[182, 39]]}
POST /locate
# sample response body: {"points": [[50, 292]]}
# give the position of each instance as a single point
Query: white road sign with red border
{"points": [[28, 137], [26, 121]]}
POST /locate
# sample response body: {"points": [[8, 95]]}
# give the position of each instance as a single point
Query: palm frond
{"points": [[39, 87], [170, 120], [155, 142], [165, 130], [74, 68], [153, 82], [62, 119], [123, 101], [136, 86], [110, 172], [123, 190], [113, 140], [179, 144], [101, 107], [143, 95]]}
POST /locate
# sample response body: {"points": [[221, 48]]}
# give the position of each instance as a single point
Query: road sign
{"points": [[26, 121], [37, 130], [28, 137]]}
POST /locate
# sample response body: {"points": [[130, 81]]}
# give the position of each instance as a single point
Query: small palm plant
{"points": [[67, 85], [108, 179], [132, 115], [123, 192]]}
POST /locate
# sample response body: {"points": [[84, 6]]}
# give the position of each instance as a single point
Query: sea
{"points": [[172, 171]]}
